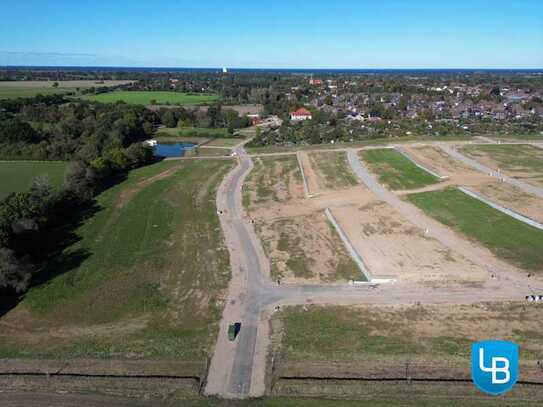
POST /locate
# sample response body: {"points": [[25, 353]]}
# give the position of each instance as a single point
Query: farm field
{"points": [[395, 170], [521, 161], [17, 176], [112, 296], [145, 97], [486, 225], [16, 89]]}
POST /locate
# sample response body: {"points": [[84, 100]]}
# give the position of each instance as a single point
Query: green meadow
{"points": [[159, 97], [395, 170], [17, 176]]}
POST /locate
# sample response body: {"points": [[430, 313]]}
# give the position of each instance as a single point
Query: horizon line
{"points": [[280, 68]]}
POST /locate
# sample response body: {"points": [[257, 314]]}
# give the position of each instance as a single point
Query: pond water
{"points": [[171, 149]]}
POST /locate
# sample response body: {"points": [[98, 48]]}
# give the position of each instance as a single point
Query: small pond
{"points": [[171, 149]]}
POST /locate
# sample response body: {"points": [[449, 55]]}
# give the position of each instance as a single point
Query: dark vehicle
{"points": [[233, 330]]}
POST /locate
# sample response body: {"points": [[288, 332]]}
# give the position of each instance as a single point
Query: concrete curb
{"points": [[306, 187], [502, 209], [350, 248]]}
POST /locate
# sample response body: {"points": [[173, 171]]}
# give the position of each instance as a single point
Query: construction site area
{"points": [[358, 273]]}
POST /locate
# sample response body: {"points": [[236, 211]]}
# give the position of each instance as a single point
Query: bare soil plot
{"points": [[520, 161], [273, 179], [306, 248], [513, 198], [332, 170], [438, 160], [390, 246]]}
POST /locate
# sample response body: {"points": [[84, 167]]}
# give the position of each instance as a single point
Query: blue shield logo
{"points": [[494, 366]]}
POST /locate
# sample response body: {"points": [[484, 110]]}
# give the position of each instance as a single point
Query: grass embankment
{"points": [[17, 176], [523, 159], [395, 170], [379, 335], [508, 238], [334, 170], [144, 278], [159, 97]]}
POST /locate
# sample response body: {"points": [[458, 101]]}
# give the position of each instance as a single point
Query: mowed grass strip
{"points": [[143, 278], [160, 97], [508, 238], [334, 169], [395, 170], [17, 176]]}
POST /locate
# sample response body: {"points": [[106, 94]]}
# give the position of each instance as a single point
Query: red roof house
{"points": [[301, 114]]}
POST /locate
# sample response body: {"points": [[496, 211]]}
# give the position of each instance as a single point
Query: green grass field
{"points": [[395, 170], [145, 97], [198, 132], [17, 176], [14, 93], [149, 282], [509, 239]]}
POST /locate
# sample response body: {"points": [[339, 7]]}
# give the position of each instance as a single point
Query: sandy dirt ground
{"points": [[392, 247], [306, 249], [513, 198], [313, 185], [272, 181]]}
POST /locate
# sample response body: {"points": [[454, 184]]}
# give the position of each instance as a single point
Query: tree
{"points": [[168, 119], [55, 84], [80, 180], [14, 274]]}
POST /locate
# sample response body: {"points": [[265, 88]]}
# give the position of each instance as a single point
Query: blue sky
{"points": [[278, 34]]}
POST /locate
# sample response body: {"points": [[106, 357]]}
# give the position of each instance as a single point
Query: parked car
{"points": [[233, 330]]}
